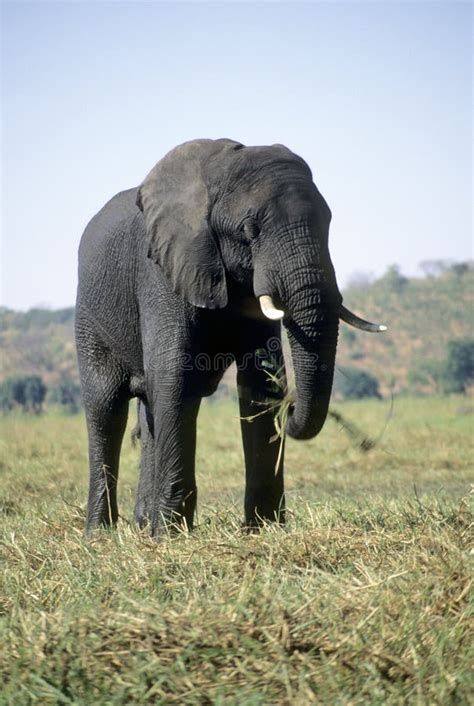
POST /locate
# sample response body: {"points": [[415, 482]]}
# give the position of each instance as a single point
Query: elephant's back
{"points": [[110, 242], [115, 219], [108, 268]]}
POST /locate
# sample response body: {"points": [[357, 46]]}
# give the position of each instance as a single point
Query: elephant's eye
{"points": [[250, 229]]}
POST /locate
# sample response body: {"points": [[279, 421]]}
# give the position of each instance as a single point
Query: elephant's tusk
{"points": [[269, 309], [355, 321]]}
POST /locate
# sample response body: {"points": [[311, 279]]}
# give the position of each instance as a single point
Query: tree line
{"points": [[429, 348], [454, 374], [28, 394]]}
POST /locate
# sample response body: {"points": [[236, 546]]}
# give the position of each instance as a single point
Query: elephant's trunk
{"points": [[308, 291], [314, 372], [312, 332]]}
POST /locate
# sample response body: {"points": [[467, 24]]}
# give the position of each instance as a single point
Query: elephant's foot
{"points": [[254, 521], [170, 519], [96, 523]]}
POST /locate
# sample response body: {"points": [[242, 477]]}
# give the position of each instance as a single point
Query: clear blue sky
{"points": [[376, 96]]}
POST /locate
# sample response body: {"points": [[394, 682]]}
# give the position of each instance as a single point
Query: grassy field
{"points": [[362, 599]]}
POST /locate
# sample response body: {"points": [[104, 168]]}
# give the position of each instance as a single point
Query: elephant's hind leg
{"points": [[106, 397], [147, 477]]}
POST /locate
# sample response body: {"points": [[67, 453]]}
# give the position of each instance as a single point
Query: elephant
{"points": [[218, 247]]}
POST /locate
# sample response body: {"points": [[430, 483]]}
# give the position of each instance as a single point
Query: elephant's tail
{"points": [[136, 431]]}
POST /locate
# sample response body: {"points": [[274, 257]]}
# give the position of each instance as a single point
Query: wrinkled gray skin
{"points": [[173, 269]]}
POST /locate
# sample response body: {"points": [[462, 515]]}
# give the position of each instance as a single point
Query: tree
{"points": [[34, 393], [12, 394], [67, 394], [435, 268], [461, 268], [28, 393], [394, 279], [355, 384], [426, 375], [6, 396], [458, 371]]}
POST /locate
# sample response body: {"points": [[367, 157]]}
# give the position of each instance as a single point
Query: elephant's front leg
{"points": [[259, 395], [167, 490]]}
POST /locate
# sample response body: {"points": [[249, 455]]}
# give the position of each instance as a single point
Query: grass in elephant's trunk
{"points": [[281, 410]]}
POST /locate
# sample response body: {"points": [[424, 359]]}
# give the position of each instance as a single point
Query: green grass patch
{"points": [[362, 599]]}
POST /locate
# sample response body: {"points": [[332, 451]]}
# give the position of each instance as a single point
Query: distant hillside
{"points": [[38, 342], [422, 314]]}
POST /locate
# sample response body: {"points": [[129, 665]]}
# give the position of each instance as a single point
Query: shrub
{"points": [[28, 393], [458, 371], [426, 376], [66, 394], [355, 384]]}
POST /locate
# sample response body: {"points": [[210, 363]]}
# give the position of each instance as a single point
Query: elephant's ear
{"points": [[175, 202]]}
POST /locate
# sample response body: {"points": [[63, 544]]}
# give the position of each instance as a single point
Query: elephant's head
{"points": [[219, 213]]}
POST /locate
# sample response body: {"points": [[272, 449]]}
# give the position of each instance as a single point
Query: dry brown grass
{"points": [[363, 599]]}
